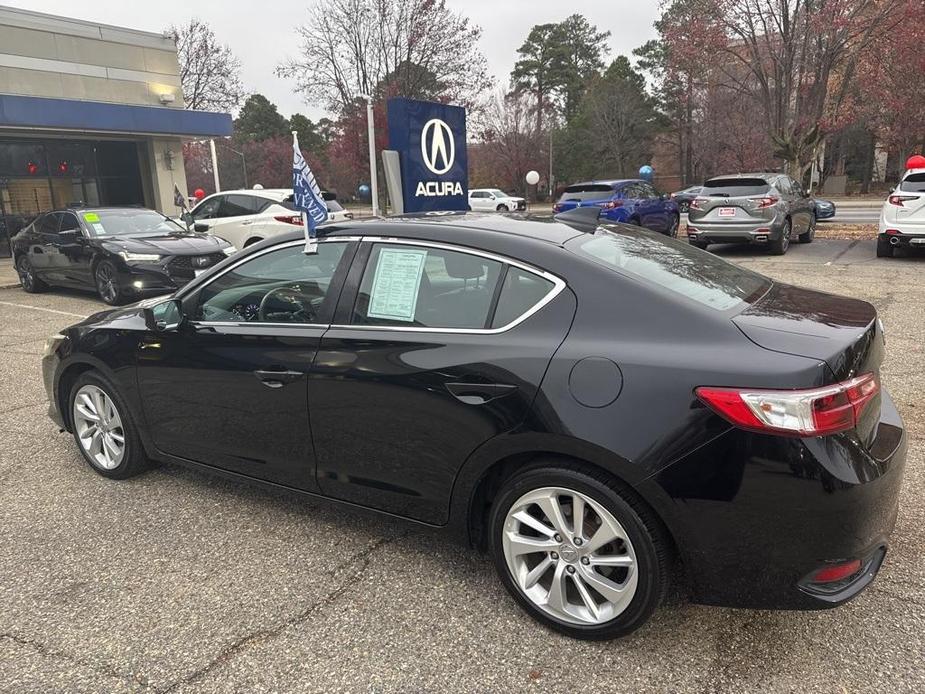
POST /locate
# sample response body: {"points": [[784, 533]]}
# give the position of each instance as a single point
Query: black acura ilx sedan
{"points": [[603, 409], [123, 253]]}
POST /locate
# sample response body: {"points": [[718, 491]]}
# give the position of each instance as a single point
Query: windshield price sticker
{"points": [[91, 217], [396, 284]]}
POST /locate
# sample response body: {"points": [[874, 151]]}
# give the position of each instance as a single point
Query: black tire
{"points": [[649, 540], [884, 249], [30, 283], [502, 208], [702, 245], [134, 461], [251, 242], [808, 235], [683, 207], [106, 281], [780, 246], [673, 227]]}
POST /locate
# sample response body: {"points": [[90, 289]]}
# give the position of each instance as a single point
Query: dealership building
{"points": [[89, 113]]}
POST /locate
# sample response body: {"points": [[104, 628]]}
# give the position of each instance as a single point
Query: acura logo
{"points": [[438, 146], [201, 261]]}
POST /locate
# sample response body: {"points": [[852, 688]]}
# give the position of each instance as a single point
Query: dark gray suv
{"points": [[770, 209]]}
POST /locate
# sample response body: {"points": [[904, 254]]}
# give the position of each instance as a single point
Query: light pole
{"points": [[243, 161], [373, 177]]}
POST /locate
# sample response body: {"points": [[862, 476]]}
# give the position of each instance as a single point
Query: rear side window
{"points": [[913, 183], [735, 187], [587, 191], [422, 287], [672, 265], [521, 291]]}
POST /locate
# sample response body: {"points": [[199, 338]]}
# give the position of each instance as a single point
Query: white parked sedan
{"points": [[902, 221], [494, 200], [244, 217]]}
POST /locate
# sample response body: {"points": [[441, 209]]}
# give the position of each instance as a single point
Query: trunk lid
{"points": [[840, 331]]}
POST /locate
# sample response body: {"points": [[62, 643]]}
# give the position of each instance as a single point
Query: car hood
{"points": [[181, 243], [835, 329]]}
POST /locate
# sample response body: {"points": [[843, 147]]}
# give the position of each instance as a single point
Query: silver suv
{"points": [[763, 208]]}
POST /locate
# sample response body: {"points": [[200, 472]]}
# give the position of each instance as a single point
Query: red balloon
{"points": [[199, 193], [916, 161]]}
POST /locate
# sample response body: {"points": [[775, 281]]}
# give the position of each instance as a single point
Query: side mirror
{"points": [[164, 316], [201, 226], [187, 219], [494, 197]]}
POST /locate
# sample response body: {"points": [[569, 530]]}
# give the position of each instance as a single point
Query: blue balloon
{"points": [[646, 172], [364, 192]]}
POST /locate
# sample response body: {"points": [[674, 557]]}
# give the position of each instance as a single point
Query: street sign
{"points": [[430, 139]]}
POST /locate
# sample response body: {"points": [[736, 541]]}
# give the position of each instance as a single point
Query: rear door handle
{"points": [[479, 393], [277, 379]]}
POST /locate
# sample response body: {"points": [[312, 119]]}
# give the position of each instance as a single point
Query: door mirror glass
{"points": [[201, 227], [164, 316]]}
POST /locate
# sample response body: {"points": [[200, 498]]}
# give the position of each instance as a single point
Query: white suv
{"points": [[494, 200], [902, 221], [243, 217]]}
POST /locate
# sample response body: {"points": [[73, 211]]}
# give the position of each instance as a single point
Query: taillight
{"points": [[290, 219], [762, 203], [898, 200], [696, 203], [610, 204], [811, 412]]}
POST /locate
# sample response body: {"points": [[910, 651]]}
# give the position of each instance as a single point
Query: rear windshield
{"points": [[587, 191], [670, 264], [333, 206], [735, 187], [913, 183]]}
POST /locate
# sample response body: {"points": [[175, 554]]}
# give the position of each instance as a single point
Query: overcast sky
{"points": [[261, 37]]}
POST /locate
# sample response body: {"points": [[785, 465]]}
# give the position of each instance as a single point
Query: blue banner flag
{"points": [[306, 194]]}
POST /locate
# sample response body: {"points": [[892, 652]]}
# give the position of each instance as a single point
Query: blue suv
{"points": [[631, 201]]}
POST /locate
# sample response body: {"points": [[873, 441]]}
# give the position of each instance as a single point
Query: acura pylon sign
{"points": [[430, 139]]}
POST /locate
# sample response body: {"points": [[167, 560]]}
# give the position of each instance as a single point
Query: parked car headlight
{"points": [[139, 257], [52, 343]]}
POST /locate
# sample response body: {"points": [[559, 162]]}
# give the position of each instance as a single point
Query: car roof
{"points": [[759, 174], [278, 194], [608, 182]]}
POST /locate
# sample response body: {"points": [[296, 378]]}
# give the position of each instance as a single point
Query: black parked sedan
{"points": [[122, 252], [593, 405]]}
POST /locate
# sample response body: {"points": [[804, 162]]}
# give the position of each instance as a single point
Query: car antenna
{"points": [[584, 219]]}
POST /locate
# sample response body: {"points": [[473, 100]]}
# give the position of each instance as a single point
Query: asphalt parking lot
{"points": [[179, 582]]}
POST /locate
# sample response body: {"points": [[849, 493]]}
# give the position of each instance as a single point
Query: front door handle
{"points": [[479, 393], [277, 379]]}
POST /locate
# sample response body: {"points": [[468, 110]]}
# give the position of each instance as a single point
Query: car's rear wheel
{"points": [[502, 208], [810, 233], [702, 245], [103, 428], [884, 249], [251, 242], [683, 207], [578, 552], [779, 246], [107, 283], [27, 278]]}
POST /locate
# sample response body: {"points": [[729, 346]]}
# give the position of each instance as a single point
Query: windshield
{"points": [[129, 222], [498, 193], [673, 265], [587, 191], [913, 183], [735, 187], [333, 206]]}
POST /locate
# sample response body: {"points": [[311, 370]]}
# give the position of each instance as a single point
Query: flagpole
{"points": [[311, 245]]}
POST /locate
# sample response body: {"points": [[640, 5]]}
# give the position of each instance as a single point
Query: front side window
{"points": [[48, 224], [283, 286], [424, 287], [208, 209], [69, 222]]}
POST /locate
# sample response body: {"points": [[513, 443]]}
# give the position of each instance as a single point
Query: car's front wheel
{"points": [[27, 278], [578, 551], [107, 283], [103, 428], [673, 227], [502, 208]]}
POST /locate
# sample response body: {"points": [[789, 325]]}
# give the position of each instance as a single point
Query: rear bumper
{"points": [[904, 238], [724, 232], [756, 516]]}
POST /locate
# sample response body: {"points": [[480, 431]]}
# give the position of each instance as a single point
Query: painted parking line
{"points": [[42, 308]]}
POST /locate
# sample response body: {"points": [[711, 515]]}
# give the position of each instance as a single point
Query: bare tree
{"points": [[209, 71], [509, 146], [415, 48]]}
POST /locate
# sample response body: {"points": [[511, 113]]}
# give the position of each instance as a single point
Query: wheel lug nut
{"points": [[553, 556], [570, 569], [558, 537], [578, 541], [585, 561]]}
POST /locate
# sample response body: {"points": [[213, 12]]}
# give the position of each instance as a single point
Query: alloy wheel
{"points": [[569, 556], [98, 426], [106, 283], [26, 276]]}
